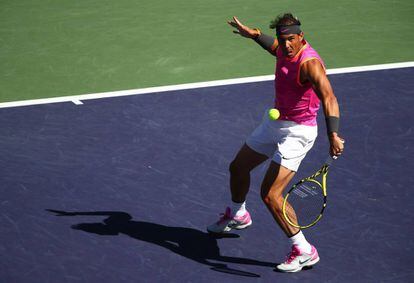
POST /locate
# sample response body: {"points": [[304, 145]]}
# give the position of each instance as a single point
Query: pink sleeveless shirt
{"points": [[296, 102]]}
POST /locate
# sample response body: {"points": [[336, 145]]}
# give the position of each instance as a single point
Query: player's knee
{"points": [[266, 199], [236, 168], [271, 199]]}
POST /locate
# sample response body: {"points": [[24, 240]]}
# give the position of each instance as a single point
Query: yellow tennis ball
{"points": [[274, 114]]}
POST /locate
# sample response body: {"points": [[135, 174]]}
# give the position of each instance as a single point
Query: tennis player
{"points": [[301, 85]]}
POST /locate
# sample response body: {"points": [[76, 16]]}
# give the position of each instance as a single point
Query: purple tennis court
{"points": [[122, 189]]}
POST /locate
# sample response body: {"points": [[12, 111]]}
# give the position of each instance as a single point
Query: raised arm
{"points": [[268, 43], [313, 72]]}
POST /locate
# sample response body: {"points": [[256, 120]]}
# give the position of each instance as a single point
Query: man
{"points": [[300, 85]]}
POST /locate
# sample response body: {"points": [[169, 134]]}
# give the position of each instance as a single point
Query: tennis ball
{"points": [[274, 114]]}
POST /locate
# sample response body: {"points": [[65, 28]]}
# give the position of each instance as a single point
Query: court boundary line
{"points": [[78, 99]]}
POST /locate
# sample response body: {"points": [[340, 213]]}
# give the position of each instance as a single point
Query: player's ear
{"points": [[301, 36]]}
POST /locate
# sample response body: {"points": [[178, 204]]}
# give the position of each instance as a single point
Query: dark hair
{"points": [[284, 20]]}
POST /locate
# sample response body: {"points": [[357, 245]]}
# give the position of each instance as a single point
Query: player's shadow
{"points": [[193, 244]]}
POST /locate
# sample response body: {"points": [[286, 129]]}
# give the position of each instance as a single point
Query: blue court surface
{"points": [[121, 189]]}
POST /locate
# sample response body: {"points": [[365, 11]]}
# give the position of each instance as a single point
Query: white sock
{"points": [[300, 241], [238, 209]]}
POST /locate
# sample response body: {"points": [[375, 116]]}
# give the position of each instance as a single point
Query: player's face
{"points": [[290, 44]]}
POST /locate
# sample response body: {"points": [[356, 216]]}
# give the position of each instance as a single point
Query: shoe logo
{"points": [[305, 261]]}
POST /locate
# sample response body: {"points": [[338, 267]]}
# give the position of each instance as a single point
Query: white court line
{"points": [[77, 99], [77, 102]]}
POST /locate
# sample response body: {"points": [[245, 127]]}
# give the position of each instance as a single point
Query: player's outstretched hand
{"points": [[243, 30]]}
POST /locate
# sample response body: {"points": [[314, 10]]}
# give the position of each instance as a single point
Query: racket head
{"points": [[304, 204]]}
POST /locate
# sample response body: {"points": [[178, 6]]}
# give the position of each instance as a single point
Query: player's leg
{"points": [[297, 140], [274, 183], [259, 146], [302, 253], [245, 161], [236, 216]]}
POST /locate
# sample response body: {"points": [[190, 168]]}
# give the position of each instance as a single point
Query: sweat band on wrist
{"points": [[332, 124], [265, 41], [283, 30]]}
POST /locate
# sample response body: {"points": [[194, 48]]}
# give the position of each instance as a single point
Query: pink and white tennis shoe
{"points": [[297, 259], [227, 222]]}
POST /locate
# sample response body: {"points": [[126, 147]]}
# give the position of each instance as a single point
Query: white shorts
{"points": [[286, 142]]}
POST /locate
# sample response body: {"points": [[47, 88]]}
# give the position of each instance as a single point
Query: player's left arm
{"points": [[314, 72]]}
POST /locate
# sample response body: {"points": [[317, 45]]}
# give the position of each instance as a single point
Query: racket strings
{"points": [[305, 204]]}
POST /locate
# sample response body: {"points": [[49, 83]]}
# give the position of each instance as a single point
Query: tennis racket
{"points": [[305, 202]]}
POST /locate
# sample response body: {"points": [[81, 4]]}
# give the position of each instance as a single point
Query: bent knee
{"points": [[275, 200], [237, 168]]}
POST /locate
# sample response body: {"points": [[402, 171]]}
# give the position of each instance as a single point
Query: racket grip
{"points": [[330, 159]]}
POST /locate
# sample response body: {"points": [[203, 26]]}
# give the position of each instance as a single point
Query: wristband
{"points": [[265, 41], [332, 124]]}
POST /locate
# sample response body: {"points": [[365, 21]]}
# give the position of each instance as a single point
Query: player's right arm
{"points": [[268, 43], [314, 72]]}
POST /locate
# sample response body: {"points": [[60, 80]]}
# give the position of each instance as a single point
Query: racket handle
{"points": [[330, 159]]}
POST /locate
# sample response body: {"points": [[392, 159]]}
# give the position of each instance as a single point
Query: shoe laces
{"points": [[295, 252]]}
